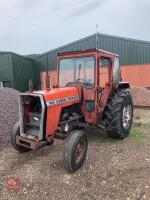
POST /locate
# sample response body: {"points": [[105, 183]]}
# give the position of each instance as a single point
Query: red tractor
{"points": [[78, 100]]}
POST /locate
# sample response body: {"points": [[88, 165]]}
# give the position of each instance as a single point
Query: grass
{"points": [[138, 133], [100, 135], [141, 126]]}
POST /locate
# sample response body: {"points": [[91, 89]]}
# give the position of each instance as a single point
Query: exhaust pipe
{"points": [[30, 85]]}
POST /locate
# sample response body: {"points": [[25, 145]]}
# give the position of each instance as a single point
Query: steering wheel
{"points": [[80, 80]]}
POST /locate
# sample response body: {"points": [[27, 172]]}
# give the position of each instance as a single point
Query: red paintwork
{"points": [[26, 112], [87, 94], [53, 112]]}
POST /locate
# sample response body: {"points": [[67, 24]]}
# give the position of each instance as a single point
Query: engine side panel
{"points": [[57, 99]]}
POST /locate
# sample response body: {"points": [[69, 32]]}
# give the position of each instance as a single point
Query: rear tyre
{"points": [[16, 132], [75, 150], [118, 114]]}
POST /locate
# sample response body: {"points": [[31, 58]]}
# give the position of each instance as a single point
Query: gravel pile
{"points": [[8, 114], [141, 96]]}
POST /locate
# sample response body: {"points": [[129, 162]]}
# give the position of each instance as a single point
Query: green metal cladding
{"points": [[20, 69], [6, 72], [16, 69], [130, 51]]}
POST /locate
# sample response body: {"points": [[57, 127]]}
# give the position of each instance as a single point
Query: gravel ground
{"points": [[8, 114], [113, 169]]}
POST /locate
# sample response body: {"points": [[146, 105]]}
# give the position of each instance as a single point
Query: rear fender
{"points": [[121, 85]]}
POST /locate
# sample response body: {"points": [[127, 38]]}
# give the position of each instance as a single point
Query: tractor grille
{"points": [[32, 110]]}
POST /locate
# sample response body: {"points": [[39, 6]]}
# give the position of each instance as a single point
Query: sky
{"points": [[37, 26]]}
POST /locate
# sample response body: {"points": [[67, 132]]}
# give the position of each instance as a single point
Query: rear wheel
{"points": [[75, 150], [118, 114], [16, 132]]}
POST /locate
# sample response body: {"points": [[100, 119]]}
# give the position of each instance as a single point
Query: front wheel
{"points": [[16, 132], [75, 150]]}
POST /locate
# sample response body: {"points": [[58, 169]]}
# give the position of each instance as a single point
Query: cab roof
{"points": [[87, 51]]}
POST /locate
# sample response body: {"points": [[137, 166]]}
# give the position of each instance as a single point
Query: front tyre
{"points": [[118, 114], [16, 132], [75, 150]]}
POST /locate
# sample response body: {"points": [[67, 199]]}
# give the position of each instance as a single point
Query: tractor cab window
{"points": [[104, 64], [77, 70], [116, 71]]}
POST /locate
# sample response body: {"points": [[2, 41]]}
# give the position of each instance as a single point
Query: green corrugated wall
{"points": [[22, 72], [6, 72], [17, 69], [130, 51], [39, 64]]}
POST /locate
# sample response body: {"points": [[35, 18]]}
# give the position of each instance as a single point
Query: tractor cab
{"points": [[96, 72], [84, 67]]}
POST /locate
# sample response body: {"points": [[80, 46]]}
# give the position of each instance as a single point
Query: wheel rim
{"points": [[127, 115], [79, 152]]}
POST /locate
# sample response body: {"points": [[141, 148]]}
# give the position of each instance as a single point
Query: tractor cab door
{"points": [[104, 81]]}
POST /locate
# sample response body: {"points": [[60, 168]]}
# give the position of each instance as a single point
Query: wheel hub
{"points": [[126, 117], [79, 152]]}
